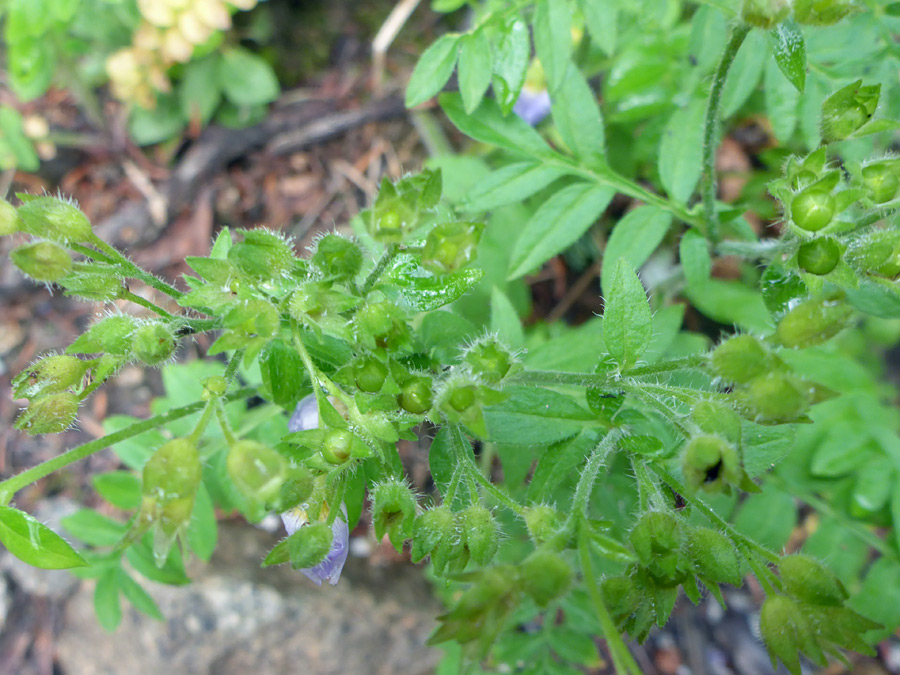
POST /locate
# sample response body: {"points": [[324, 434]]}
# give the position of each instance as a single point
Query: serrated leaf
{"points": [[696, 263], [789, 50], [434, 68], [553, 39], [510, 184], [557, 224], [491, 127], [634, 238], [424, 292], [578, 118], [34, 543], [475, 69], [626, 317], [681, 151], [532, 416]]}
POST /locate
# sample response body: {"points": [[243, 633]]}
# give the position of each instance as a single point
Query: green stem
{"points": [[602, 380], [452, 487], [133, 270], [213, 404], [143, 302], [623, 661], [379, 268], [462, 446], [12, 485], [224, 425], [710, 131], [90, 253], [596, 459]]}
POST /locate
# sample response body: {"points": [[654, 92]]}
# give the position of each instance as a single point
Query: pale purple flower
{"points": [[532, 105], [305, 417]]}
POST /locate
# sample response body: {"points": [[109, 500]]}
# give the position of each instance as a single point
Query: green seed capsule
{"points": [[54, 219], [812, 209], [489, 359], [740, 359], [393, 511], [542, 522], [821, 12], [153, 343], [715, 556], [808, 580], [812, 322], [710, 462], [776, 398], [434, 534], [881, 181], [9, 219], [416, 396], [337, 446], [481, 533], [257, 470], [462, 398], [819, 256], [370, 374], [545, 576], [49, 414], [51, 375], [42, 260], [337, 257]]}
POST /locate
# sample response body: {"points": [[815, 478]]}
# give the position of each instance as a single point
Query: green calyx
{"points": [[54, 218], [393, 512], [812, 322], [153, 343], [42, 260], [765, 13], [741, 358], [257, 471], [49, 414], [51, 375], [819, 256], [710, 463]]}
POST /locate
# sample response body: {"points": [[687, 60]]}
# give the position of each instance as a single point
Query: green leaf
{"points": [[424, 292], [559, 463], [122, 489], [626, 317], [557, 224], [443, 462], [246, 79], [281, 368], [475, 67], [842, 451], [532, 416], [709, 33], [491, 127], [681, 151], [147, 127], [202, 530], [505, 320], [553, 39], [781, 102], [601, 18], [731, 302], [433, 70], [768, 517], [172, 572], [634, 238], [512, 53], [199, 92], [789, 51], [509, 184], [879, 598], [12, 133], [578, 118], [696, 263], [94, 528], [106, 601], [576, 350], [744, 74], [137, 596], [33, 542]]}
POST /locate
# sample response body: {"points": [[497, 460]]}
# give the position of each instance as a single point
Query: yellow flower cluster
{"points": [[167, 35]]}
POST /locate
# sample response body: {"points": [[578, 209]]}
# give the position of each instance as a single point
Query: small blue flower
{"points": [[533, 105]]}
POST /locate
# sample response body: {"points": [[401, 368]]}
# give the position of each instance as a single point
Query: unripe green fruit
{"points": [[821, 12], [415, 396], [172, 472], [765, 13], [337, 257], [42, 260], [389, 222], [808, 580], [542, 522], [111, 335], [462, 398], [489, 360], [715, 556], [336, 446], [451, 246], [740, 359], [710, 462], [776, 398], [819, 256], [718, 420], [620, 596], [481, 533], [257, 471], [370, 374], [812, 209], [50, 375], [9, 219], [657, 540], [433, 534], [881, 182], [780, 621], [812, 322], [545, 576], [309, 545], [49, 414], [393, 511], [153, 343], [842, 124], [54, 219]]}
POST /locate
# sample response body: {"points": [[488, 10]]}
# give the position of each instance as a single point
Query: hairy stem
{"points": [[462, 447], [379, 269], [710, 132], [585, 486], [143, 302], [133, 270], [611, 381], [12, 485]]}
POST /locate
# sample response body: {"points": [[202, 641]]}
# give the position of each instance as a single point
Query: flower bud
{"points": [[809, 581], [657, 540], [545, 576], [51, 375], [710, 463], [812, 322], [776, 398], [489, 359], [111, 335], [153, 343], [812, 209], [42, 260], [542, 522], [257, 471], [451, 246], [819, 256], [369, 374], [262, 255], [882, 180], [415, 396], [765, 13], [718, 420], [848, 109], [822, 12], [393, 511], [740, 359], [9, 219], [337, 257], [481, 533], [435, 533], [49, 414], [96, 283], [715, 556], [779, 623], [54, 218]]}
